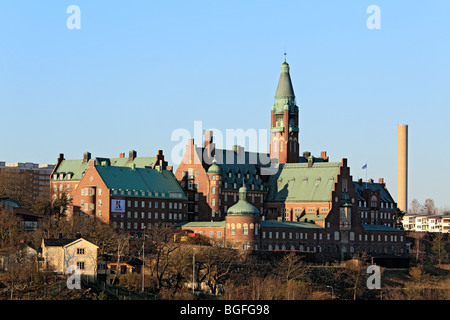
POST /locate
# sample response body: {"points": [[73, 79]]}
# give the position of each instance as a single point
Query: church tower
{"points": [[284, 144]]}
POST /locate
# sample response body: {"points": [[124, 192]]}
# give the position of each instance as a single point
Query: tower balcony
{"points": [[277, 129]]}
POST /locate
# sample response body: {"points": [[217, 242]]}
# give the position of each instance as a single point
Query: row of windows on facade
{"points": [[194, 186], [301, 235], [172, 205], [140, 226], [91, 192], [374, 215], [190, 174], [149, 215], [320, 249], [374, 204]]}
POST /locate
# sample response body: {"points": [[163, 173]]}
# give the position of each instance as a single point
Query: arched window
{"points": [[233, 229], [245, 229]]}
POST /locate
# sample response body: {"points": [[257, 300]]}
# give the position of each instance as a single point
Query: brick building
{"points": [[131, 194], [308, 204], [67, 173]]}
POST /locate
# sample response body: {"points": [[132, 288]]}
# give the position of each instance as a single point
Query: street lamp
{"points": [[332, 292]]}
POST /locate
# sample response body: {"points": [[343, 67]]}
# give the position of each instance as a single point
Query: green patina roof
{"points": [[198, 224], [214, 168], [288, 224], [243, 207], [140, 179], [296, 182], [313, 217], [284, 88], [78, 166]]}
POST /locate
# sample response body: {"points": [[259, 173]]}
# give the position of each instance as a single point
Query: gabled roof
{"points": [[235, 162], [57, 242], [62, 242], [140, 179], [385, 196], [297, 182]]}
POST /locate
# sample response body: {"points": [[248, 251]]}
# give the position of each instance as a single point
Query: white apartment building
{"points": [[426, 223]]}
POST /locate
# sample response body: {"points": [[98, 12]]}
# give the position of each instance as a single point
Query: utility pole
{"points": [[143, 262], [193, 273]]}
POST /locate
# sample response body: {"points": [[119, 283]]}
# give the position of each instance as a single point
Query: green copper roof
{"points": [[284, 88], [77, 167], [141, 179], [198, 224], [296, 182], [243, 207], [289, 224], [214, 168]]}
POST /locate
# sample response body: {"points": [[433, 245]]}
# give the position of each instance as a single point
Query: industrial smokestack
{"points": [[402, 167]]}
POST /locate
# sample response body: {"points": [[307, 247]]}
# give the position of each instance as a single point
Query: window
{"points": [[233, 229], [213, 190], [245, 229], [80, 250], [80, 265], [211, 234], [219, 234]]}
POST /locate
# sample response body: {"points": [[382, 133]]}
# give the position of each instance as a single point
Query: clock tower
{"points": [[284, 143]]}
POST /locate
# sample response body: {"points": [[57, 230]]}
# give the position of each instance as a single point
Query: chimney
{"points": [[132, 155], [60, 235], [381, 181], [86, 156], [402, 167], [370, 181], [60, 158], [78, 236], [122, 155], [208, 137], [360, 182], [323, 155], [310, 161], [306, 154]]}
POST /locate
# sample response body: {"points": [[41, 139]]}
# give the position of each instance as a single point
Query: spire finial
{"points": [[285, 56]]}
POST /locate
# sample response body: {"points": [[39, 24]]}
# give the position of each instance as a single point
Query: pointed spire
{"points": [[284, 88]]}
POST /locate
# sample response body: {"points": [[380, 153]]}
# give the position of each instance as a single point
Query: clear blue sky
{"points": [[138, 70]]}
